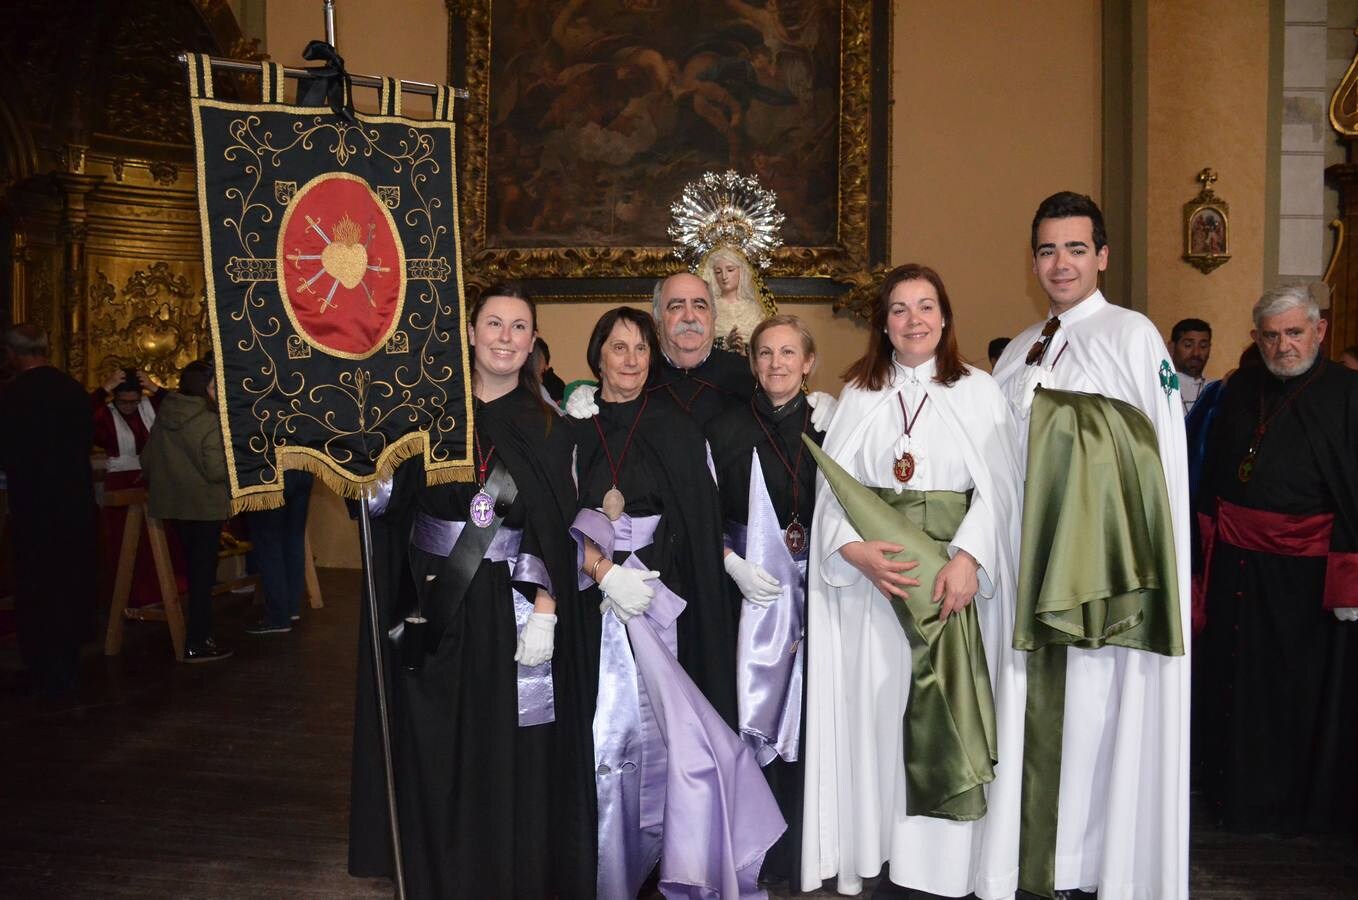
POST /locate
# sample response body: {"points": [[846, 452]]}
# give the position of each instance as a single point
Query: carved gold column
{"points": [[18, 277], [1343, 269], [68, 318]]}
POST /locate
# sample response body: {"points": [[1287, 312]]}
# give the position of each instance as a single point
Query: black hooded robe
{"points": [[733, 435], [665, 472], [720, 381], [487, 808], [1276, 675]]}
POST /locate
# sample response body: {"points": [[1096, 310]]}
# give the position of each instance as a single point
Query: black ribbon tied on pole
{"points": [[327, 84]]}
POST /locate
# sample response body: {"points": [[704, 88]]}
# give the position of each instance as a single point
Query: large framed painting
{"points": [[587, 118]]}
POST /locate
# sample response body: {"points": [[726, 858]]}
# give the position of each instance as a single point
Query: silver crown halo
{"points": [[726, 209]]}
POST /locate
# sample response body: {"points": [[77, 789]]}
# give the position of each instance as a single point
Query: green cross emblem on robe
{"points": [[1169, 379]]}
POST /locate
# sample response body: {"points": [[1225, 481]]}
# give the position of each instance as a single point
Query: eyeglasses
{"points": [[1036, 352]]}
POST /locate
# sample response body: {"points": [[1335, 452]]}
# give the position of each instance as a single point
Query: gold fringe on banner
{"points": [[302, 460]]}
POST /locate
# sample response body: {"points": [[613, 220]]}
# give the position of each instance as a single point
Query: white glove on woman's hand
{"points": [[1347, 614], [537, 640], [756, 585], [580, 404], [822, 409], [627, 592]]}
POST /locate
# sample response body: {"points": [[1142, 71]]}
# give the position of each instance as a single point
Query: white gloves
{"points": [[756, 585], [537, 640], [580, 404], [822, 409], [627, 592], [1347, 614]]}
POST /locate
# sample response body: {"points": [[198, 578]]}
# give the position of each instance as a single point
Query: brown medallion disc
{"points": [[613, 504], [795, 537]]}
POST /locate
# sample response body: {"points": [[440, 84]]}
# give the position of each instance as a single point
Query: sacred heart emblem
{"points": [[344, 257], [341, 266]]}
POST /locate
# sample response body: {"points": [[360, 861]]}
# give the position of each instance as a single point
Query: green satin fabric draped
{"points": [[1096, 568], [950, 721]]}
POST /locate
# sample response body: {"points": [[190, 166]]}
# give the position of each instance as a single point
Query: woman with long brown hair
{"points": [[930, 435], [491, 729]]}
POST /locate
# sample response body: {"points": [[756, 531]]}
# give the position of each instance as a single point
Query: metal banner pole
{"points": [[380, 680], [330, 23]]}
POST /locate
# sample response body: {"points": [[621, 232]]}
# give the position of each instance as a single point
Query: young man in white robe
{"points": [[960, 438], [1122, 821]]}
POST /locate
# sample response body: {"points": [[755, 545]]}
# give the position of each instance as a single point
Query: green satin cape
{"points": [[950, 721], [1096, 568]]}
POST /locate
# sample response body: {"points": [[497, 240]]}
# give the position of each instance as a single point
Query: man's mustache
{"points": [[687, 327]]}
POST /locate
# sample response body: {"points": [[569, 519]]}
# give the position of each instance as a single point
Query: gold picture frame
{"points": [[489, 58], [1207, 227]]}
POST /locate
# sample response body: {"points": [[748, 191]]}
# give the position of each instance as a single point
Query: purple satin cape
{"points": [[770, 641], [537, 698], [674, 781]]}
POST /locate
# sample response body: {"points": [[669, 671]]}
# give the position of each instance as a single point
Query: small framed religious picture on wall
{"points": [[1207, 226]]}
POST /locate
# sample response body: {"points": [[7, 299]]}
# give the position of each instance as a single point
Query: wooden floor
{"points": [[231, 779]]}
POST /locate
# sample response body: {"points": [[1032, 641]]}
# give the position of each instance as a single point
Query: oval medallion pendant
{"points": [[795, 537], [613, 504], [904, 468], [482, 509]]}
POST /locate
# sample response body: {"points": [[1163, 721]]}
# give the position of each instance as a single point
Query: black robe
{"points": [[488, 808], [732, 436], [714, 385], [1276, 675], [665, 472], [45, 452]]}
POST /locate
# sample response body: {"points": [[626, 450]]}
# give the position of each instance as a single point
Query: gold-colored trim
{"points": [[270, 495], [1340, 233], [1207, 199], [1346, 94], [282, 279], [846, 260]]}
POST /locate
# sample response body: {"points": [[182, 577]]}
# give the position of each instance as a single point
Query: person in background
{"points": [[1276, 680], [995, 349], [278, 554], [1190, 346], [124, 411], [184, 462], [551, 382], [45, 453], [1349, 358]]}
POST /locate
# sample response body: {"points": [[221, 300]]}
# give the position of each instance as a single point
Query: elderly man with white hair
{"points": [[1276, 682], [701, 379]]}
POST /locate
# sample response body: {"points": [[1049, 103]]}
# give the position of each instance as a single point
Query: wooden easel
{"points": [[170, 609]]}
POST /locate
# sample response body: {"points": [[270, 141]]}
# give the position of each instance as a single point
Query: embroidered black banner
{"points": [[334, 288]]}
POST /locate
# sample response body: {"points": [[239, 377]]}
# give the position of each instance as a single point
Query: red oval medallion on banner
{"points": [[341, 266]]}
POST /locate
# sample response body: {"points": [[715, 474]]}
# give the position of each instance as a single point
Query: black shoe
{"points": [[267, 628], [208, 651]]}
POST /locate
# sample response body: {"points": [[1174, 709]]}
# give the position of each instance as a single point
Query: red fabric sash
{"points": [[1260, 531], [1277, 533]]}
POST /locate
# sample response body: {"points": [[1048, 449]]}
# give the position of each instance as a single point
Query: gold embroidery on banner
{"points": [[354, 390], [398, 343], [284, 191], [344, 259], [298, 348], [240, 269], [428, 269], [390, 194]]}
